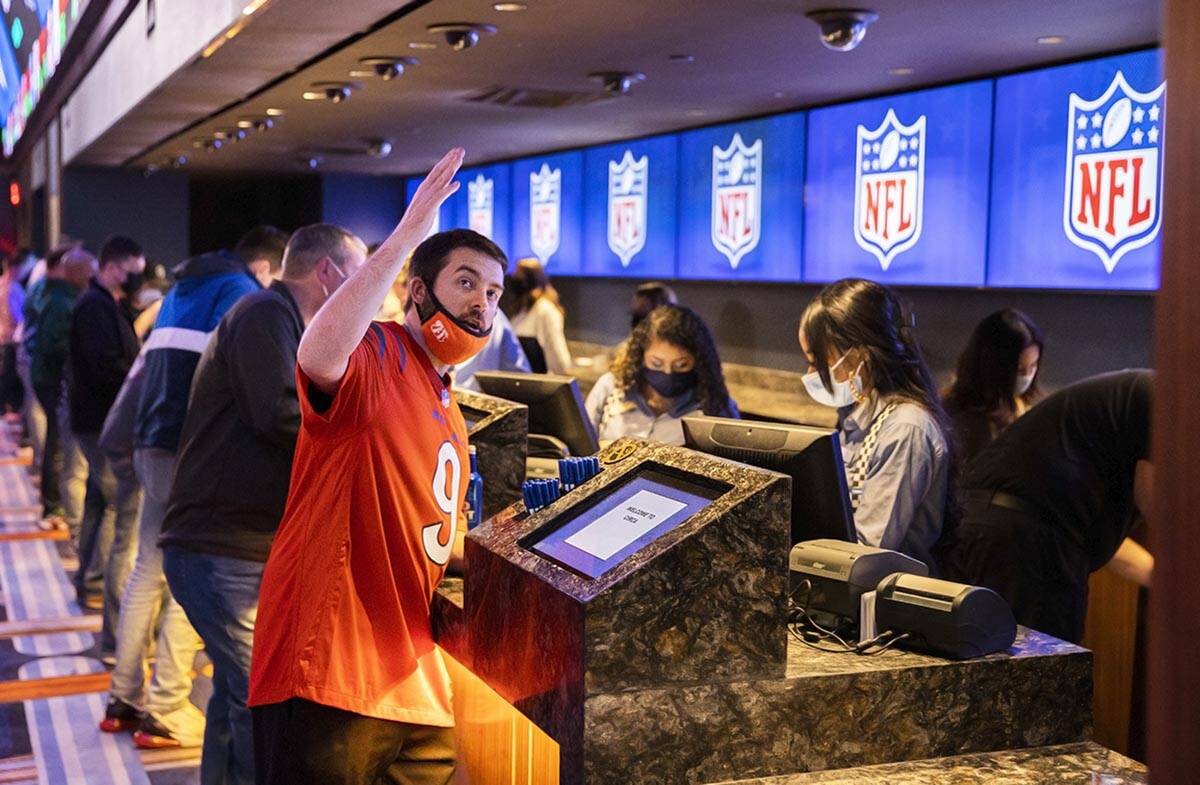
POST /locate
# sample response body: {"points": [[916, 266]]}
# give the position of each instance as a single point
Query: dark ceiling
{"points": [[748, 57]]}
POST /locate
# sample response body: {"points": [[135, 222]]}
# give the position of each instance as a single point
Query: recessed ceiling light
{"points": [[696, 112], [361, 74], [900, 71], [245, 123], [312, 95], [510, 6], [682, 58], [275, 112], [1051, 40], [422, 45]]}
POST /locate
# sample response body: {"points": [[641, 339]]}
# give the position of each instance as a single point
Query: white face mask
{"points": [[1024, 383], [843, 392]]}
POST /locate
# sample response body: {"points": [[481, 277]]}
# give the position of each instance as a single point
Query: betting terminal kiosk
{"points": [[498, 429], [668, 567]]}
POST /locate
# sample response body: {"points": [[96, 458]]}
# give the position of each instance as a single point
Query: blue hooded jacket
{"points": [[206, 287]]}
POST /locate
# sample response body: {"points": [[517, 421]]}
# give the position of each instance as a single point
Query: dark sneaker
{"points": [[120, 716], [183, 727]]}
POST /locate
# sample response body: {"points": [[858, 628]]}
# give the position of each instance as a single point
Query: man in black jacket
{"points": [[103, 347], [231, 484]]}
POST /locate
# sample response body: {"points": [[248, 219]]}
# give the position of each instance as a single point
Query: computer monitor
{"points": [[555, 405], [600, 533], [812, 456]]}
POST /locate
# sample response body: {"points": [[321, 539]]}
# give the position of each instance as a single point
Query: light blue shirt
{"points": [[903, 500], [502, 352]]}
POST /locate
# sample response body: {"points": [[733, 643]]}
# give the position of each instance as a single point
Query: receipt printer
{"points": [[830, 576], [949, 619]]}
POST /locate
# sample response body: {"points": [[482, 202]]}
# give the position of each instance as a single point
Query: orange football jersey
{"points": [[375, 501]]}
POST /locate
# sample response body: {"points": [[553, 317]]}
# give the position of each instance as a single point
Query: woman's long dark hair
{"points": [[527, 284], [855, 313], [679, 326], [987, 369]]}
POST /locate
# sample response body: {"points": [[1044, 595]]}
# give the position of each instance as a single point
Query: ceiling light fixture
{"points": [[682, 58], [422, 45], [254, 7], [335, 92], [905, 71], [1051, 40], [510, 6], [387, 67], [275, 112], [617, 82], [265, 124], [245, 122], [461, 35]]}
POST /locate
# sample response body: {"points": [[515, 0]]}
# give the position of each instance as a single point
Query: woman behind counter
{"points": [[667, 368], [864, 361], [996, 380], [537, 317]]}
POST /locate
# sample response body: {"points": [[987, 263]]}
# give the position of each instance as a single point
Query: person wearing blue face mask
{"points": [[864, 360], [667, 368]]}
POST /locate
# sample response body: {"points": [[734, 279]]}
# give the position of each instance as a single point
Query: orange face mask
{"points": [[450, 340]]}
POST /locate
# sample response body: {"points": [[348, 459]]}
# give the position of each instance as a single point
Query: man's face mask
{"points": [[449, 339]]}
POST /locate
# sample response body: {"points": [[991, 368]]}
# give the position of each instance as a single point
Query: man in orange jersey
{"points": [[346, 684]]}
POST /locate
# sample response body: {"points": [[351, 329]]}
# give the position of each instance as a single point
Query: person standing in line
{"points": [[206, 287], [346, 682], [102, 350], [235, 460], [262, 250]]}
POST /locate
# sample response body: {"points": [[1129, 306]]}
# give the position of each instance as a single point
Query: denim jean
{"points": [[108, 534], [220, 595], [148, 603]]}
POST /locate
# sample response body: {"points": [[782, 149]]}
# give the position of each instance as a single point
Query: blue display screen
{"points": [[483, 202], [897, 188], [741, 194], [626, 520], [445, 219], [1077, 177], [548, 211], [629, 208]]}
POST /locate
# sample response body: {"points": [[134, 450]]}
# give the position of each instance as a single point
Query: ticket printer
{"points": [[830, 576]]}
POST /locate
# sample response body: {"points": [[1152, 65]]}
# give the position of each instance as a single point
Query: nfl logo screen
{"points": [[628, 185], [737, 198], [889, 187], [479, 204], [1114, 170], [545, 211]]}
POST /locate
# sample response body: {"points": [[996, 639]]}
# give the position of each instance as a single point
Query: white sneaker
{"points": [[183, 727]]}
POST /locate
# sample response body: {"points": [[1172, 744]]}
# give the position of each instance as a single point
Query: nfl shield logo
{"points": [[545, 201], [1113, 194], [889, 187], [737, 198], [628, 185], [479, 204]]}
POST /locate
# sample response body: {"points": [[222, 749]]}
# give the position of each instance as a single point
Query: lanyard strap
{"points": [[858, 467]]}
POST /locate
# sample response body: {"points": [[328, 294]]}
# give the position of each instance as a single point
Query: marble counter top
{"points": [[1086, 763]]}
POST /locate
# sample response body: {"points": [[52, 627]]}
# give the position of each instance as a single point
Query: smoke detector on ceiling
{"points": [[842, 29]]}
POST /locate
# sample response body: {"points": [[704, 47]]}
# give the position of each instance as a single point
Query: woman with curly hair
{"points": [[667, 368]]}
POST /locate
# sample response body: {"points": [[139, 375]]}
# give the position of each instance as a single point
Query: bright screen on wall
{"points": [[482, 203], [445, 218], [35, 32], [1077, 178], [897, 188], [547, 208], [637, 512], [629, 208], [741, 194]]}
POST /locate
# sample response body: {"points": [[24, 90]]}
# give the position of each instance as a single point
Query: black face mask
{"points": [[133, 283], [669, 385]]}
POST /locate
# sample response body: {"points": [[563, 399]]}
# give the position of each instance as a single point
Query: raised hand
{"points": [[436, 188]]}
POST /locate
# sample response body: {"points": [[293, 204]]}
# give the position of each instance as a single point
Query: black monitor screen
{"points": [[555, 406], [624, 521]]}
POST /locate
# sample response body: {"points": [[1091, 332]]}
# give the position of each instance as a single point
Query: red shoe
{"points": [[183, 727], [120, 716]]}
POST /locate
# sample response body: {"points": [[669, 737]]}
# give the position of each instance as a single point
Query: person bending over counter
{"points": [[864, 360], [668, 367], [646, 298], [1054, 498], [996, 379]]}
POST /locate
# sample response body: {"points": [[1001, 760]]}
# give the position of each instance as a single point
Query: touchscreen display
{"points": [[623, 522]]}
